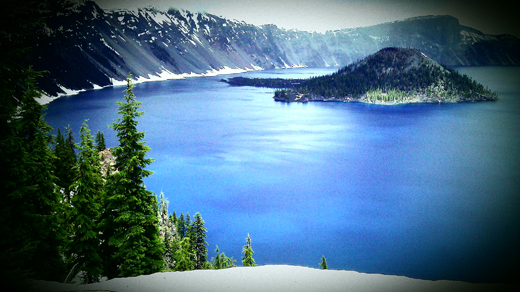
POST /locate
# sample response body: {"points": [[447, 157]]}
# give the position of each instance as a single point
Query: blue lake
{"points": [[427, 191]]}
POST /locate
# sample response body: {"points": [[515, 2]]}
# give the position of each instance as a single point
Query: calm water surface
{"points": [[425, 190]]}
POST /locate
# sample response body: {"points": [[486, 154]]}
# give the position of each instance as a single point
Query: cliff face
{"points": [[84, 46]]}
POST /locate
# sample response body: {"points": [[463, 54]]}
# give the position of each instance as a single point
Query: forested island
{"points": [[390, 76]]}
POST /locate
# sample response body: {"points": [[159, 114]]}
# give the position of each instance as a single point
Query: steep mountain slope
{"points": [[83, 46], [390, 76]]}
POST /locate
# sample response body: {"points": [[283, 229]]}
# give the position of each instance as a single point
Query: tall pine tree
{"points": [[65, 171], [181, 227], [198, 239], [248, 252], [17, 243], [130, 217], [65, 152], [84, 244], [167, 233], [35, 188], [100, 141], [184, 255]]}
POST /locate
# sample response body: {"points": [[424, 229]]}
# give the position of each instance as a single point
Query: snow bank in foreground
{"points": [[162, 76], [272, 278]]}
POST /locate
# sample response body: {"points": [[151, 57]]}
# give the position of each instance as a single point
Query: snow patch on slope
{"points": [[45, 99]]}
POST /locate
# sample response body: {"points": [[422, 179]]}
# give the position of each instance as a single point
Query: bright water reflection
{"points": [[424, 190]]}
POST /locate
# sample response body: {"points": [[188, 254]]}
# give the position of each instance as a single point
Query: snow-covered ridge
{"points": [[161, 76], [87, 47]]}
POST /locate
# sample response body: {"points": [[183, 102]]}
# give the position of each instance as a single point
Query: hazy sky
{"points": [[493, 17]]}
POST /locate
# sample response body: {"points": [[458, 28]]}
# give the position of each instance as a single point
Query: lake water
{"points": [[428, 191]]}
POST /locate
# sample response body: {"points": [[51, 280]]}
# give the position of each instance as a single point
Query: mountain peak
{"points": [[390, 76], [395, 58]]}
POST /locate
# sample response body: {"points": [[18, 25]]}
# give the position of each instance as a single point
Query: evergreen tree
{"points": [[84, 245], [323, 263], [221, 261], [100, 141], [35, 188], [65, 171], [184, 256], [248, 252], [130, 217], [16, 244], [200, 251], [188, 225], [181, 227], [173, 217], [167, 233]]}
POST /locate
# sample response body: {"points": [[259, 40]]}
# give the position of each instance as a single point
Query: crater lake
{"points": [[429, 191]]}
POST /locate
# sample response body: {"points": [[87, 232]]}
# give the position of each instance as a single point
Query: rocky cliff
{"points": [[83, 46]]}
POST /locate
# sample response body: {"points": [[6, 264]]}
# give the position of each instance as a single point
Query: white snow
{"points": [[106, 44], [225, 70], [256, 67], [45, 99], [96, 87], [159, 18], [195, 37], [287, 66], [117, 82], [271, 278], [161, 76], [207, 29]]}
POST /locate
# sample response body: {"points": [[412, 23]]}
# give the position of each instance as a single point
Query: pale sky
{"points": [[493, 17]]}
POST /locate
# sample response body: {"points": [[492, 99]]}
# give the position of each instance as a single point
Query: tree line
{"points": [[62, 214]]}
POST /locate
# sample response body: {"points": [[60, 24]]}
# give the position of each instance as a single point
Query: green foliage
{"points": [[29, 197], [167, 233], [221, 261], [184, 256], [248, 252], [198, 238], [84, 244], [394, 96], [66, 172], [16, 244], [130, 221], [100, 141], [323, 263], [181, 227]]}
